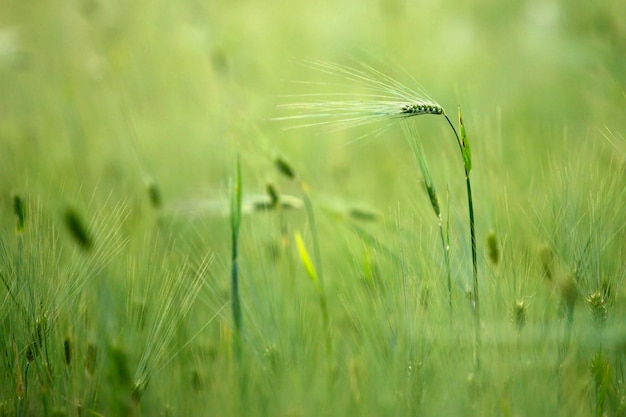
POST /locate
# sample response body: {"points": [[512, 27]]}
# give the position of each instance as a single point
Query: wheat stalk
{"points": [[383, 99]]}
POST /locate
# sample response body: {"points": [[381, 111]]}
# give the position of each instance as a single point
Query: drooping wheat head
{"points": [[382, 99]]}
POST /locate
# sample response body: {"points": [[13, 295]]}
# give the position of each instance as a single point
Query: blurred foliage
{"points": [[101, 99]]}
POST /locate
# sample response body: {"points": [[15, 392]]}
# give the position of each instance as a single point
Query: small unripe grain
{"points": [[90, 364], [414, 109], [272, 193], [284, 168], [363, 214], [493, 248], [196, 381], [20, 212], [432, 196], [139, 388], [31, 352], [119, 359], [78, 230], [154, 193], [67, 350]]}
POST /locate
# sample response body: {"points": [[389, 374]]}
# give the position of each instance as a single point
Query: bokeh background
{"points": [[190, 83], [99, 98]]}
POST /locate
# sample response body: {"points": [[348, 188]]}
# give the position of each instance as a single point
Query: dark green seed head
{"points": [[119, 360], [432, 196], [77, 229], [92, 354], [154, 193], [19, 210], [363, 214], [67, 350], [414, 109], [41, 328], [139, 388], [284, 168], [31, 352], [493, 249], [196, 380], [272, 193]]}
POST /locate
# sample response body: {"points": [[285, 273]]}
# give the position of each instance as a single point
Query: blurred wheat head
{"points": [[381, 99]]}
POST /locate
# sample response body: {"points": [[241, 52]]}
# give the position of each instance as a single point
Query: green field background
{"points": [[125, 120]]}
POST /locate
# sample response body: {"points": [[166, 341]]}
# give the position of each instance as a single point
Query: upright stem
{"points": [[475, 298], [236, 305], [235, 214]]}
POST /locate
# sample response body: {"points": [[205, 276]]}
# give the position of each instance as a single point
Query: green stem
{"points": [[235, 212], [236, 307], [475, 299]]}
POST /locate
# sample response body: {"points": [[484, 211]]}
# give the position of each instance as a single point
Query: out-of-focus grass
{"points": [[98, 97]]}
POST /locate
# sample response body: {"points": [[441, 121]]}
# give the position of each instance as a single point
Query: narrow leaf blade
{"points": [[467, 152], [306, 261]]}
